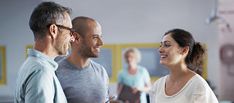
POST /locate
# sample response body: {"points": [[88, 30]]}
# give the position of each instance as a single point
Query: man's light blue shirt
{"points": [[37, 82]]}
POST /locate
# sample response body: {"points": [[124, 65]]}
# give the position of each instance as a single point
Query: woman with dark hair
{"points": [[183, 57]]}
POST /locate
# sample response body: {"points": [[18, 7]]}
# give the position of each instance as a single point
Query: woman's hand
{"points": [[135, 90]]}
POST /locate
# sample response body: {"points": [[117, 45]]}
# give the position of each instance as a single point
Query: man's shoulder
{"points": [[63, 63], [58, 59], [96, 65], [34, 64], [35, 69], [63, 67]]}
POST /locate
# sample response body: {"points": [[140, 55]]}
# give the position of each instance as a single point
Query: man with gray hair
{"points": [[37, 82]]}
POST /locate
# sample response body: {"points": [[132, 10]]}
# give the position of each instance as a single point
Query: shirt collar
{"points": [[38, 54]]}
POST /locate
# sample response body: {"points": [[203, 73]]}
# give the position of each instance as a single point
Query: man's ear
{"points": [[77, 37], [53, 31]]}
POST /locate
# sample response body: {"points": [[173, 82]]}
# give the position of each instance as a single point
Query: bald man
{"points": [[83, 80]]}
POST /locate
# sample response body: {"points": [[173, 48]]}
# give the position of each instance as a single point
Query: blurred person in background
{"points": [[134, 76]]}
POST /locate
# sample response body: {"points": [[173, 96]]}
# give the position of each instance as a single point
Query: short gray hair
{"points": [[135, 51], [45, 14]]}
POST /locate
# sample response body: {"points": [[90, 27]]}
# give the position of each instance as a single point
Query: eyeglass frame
{"points": [[64, 27]]}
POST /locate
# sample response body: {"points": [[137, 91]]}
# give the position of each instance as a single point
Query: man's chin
{"points": [[94, 56]]}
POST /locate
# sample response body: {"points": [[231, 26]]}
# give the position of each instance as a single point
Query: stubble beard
{"points": [[87, 52]]}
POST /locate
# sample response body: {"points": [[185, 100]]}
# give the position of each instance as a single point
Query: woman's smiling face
{"points": [[170, 51]]}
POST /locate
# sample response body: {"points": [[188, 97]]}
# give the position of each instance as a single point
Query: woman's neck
{"points": [[178, 71], [132, 69]]}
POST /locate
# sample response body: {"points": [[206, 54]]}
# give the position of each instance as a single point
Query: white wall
{"points": [[14, 34], [123, 21]]}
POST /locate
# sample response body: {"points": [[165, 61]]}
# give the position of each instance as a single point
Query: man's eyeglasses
{"points": [[64, 27]]}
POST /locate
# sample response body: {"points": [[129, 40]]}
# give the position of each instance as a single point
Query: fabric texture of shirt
{"points": [[83, 85], [135, 81], [37, 82], [196, 90]]}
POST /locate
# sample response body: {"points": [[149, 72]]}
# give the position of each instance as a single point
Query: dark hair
{"points": [[81, 24], [194, 59], [45, 14]]}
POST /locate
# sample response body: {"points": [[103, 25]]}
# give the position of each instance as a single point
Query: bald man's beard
{"points": [[87, 52]]}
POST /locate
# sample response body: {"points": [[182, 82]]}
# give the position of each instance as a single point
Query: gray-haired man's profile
{"points": [[37, 82]]}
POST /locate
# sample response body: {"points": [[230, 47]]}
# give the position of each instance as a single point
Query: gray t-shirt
{"points": [[86, 85]]}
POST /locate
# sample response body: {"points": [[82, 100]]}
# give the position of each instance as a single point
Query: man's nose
{"points": [[100, 42]]}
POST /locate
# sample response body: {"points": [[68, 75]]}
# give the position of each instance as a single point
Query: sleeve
{"points": [[152, 92], [146, 76], [199, 98], [106, 81], [40, 88], [203, 94]]}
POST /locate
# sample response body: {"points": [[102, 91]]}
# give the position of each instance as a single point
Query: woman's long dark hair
{"points": [[195, 57]]}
